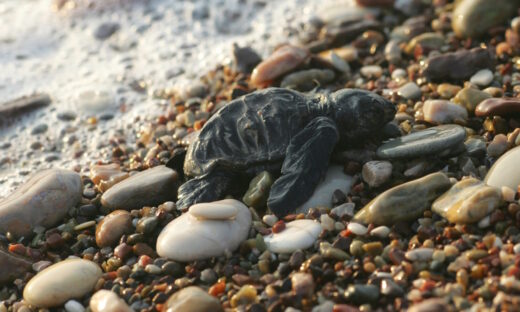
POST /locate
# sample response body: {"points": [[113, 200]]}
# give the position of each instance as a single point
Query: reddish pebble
{"points": [[144, 260], [344, 308], [279, 226], [17, 249], [217, 289], [498, 106], [282, 61]]}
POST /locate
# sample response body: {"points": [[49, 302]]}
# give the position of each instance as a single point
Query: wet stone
{"points": [[482, 78], [419, 254], [192, 299], [282, 61], [303, 284], [146, 188], [470, 98], [189, 238], [106, 176], [458, 65], [505, 171], [12, 266], [106, 30], [112, 227], [498, 106], [298, 234], [438, 140], [498, 146], [43, 200], [467, 201], [410, 91], [360, 294], [258, 192], [68, 279], [404, 202], [474, 18], [443, 112], [214, 211]]}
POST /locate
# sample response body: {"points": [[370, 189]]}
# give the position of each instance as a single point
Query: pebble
{"points": [[39, 129], [404, 202], [443, 112], [335, 179], [303, 284], [459, 65], [12, 266], [482, 78], [110, 229], [106, 30], [377, 173], [467, 201], [107, 301], [498, 146], [474, 18], [74, 306], [188, 238], [245, 58], [346, 209], [391, 289], [432, 141], [258, 192], [410, 91], [245, 296], [269, 219], [505, 171], [429, 41], [24, 104], [357, 228], [470, 98], [214, 211], [498, 106], [306, 80], [282, 61], [298, 234], [105, 176], [380, 231], [447, 91], [360, 294], [65, 280], [327, 223], [430, 305], [371, 71], [96, 103], [147, 188], [419, 254], [192, 299], [43, 200]]}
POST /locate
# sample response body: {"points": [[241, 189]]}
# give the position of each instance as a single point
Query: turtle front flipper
{"points": [[305, 164], [210, 187]]}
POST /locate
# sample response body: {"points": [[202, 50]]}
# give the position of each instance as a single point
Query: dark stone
{"points": [[245, 58], [498, 106], [12, 266], [459, 65], [106, 30]]}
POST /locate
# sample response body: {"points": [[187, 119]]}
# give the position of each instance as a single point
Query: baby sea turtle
{"points": [[278, 130]]}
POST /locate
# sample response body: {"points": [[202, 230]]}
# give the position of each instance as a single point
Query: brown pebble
{"points": [[112, 227], [498, 106]]}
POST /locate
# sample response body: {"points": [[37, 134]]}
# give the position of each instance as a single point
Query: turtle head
{"points": [[359, 113]]}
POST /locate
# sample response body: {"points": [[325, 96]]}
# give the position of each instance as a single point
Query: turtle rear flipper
{"points": [[304, 166]]}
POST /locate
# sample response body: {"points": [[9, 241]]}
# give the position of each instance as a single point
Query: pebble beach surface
{"points": [[424, 216]]}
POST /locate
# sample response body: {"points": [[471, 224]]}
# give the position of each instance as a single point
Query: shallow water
{"points": [[164, 43]]}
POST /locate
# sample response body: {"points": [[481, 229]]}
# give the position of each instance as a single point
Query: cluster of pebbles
{"points": [[426, 218]]}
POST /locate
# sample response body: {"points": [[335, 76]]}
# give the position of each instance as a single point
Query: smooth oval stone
{"points": [[442, 112], [43, 200], [105, 176], [214, 211], [112, 227], [458, 65], [335, 179], [419, 254], [188, 238], [12, 266], [431, 141], [404, 202], [427, 41], [258, 192], [305, 80], [282, 61], [107, 301], [410, 91], [474, 18], [470, 98], [505, 171], [65, 280], [482, 78], [467, 201], [192, 299], [298, 234], [146, 188], [498, 106]]}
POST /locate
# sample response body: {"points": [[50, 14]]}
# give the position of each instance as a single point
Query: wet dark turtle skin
{"points": [[282, 131]]}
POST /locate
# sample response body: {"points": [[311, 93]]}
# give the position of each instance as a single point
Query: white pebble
{"points": [[516, 248], [357, 228], [327, 223], [419, 254], [485, 222], [508, 194], [152, 269], [339, 226], [270, 219], [482, 78], [74, 306], [344, 209], [371, 71], [376, 173], [399, 73], [380, 231]]}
